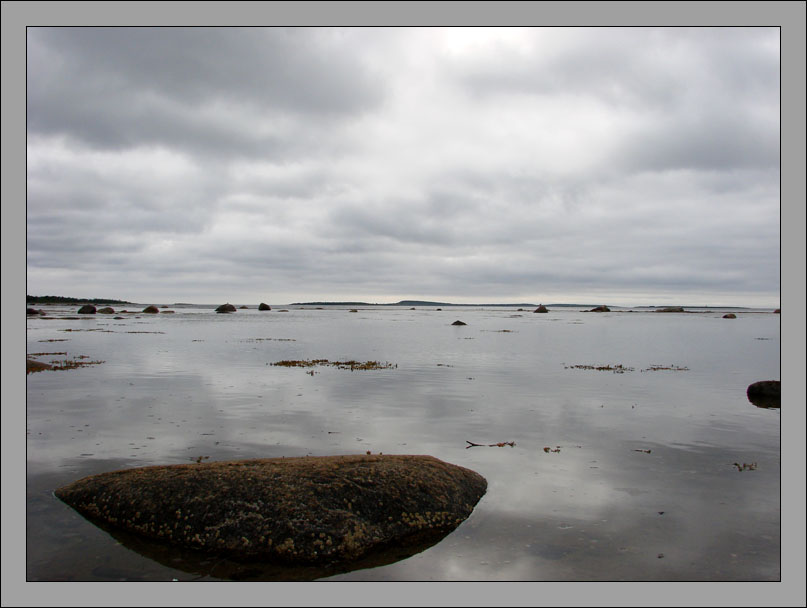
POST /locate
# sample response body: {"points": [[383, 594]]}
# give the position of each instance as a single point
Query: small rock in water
{"points": [[766, 393]]}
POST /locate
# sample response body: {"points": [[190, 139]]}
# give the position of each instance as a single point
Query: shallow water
{"points": [[639, 482]]}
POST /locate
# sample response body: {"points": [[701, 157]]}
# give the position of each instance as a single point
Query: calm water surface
{"points": [[639, 482]]}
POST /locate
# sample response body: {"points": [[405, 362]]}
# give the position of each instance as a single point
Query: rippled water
{"points": [[613, 476]]}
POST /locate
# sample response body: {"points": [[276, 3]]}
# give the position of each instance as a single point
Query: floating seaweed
{"points": [[617, 369], [351, 365], [675, 368], [500, 444]]}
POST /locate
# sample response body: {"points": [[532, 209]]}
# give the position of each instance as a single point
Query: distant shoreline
{"points": [[67, 300], [64, 300]]}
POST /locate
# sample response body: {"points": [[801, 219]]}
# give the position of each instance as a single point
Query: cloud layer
{"points": [[621, 165]]}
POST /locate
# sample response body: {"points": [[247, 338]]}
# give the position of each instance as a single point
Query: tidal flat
{"points": [[615, 446]]}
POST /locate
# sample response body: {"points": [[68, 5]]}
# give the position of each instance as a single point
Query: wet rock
{"points": [[87, 309], [151, 309], [671, 309], [766, 393], [540, 308], [263, 306], [600, 309], [34, 311], [245, 307], [32, 366], [106, 310], [458, 322], [226, 308], [286, 510], [730, 315]]}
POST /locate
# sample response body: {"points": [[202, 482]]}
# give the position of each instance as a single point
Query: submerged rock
{"points": [[32, 366], [671, 309], [226, 308], [284, 510], [766, 393], [151, 309], [263, 306], [87, 309], [458, 322]]}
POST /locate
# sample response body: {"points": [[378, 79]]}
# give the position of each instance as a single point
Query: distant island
{"points": [[64, 300], [426, 303]]}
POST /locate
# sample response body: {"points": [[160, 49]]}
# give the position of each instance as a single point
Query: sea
{"points": [[617, 446]]}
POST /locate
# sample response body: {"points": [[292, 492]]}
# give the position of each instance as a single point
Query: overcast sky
{"points": [[594, 165]]}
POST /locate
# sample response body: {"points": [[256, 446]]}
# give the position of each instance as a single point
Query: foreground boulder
{"points": [[226, 308], [263, 306], [766, 393], [285, 510], [151, 309], [87, 309]]}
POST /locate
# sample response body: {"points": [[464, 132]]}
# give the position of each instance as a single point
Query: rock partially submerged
{"points": [[671, 309], [87, 309], [263, 306], [458, 322], [32, 366], [729, 315], [106, 310], [150, 309], [541, 308], [292, 511], [34, 311], [765, 393], [600, 309], [226, 308]]}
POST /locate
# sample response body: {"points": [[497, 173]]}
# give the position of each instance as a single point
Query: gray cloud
{"points": [[331, 163]]}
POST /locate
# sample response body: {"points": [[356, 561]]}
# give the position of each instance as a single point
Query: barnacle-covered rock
{"points": [[306, 510]]}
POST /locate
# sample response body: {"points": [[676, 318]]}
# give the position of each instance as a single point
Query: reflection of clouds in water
{"points": [[589, 511]]}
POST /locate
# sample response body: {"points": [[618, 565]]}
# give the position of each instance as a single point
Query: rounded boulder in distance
{"points": [[87, 309], [458, 322], [151, 309], [305, 510], [263, 306], [226, 308]]}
